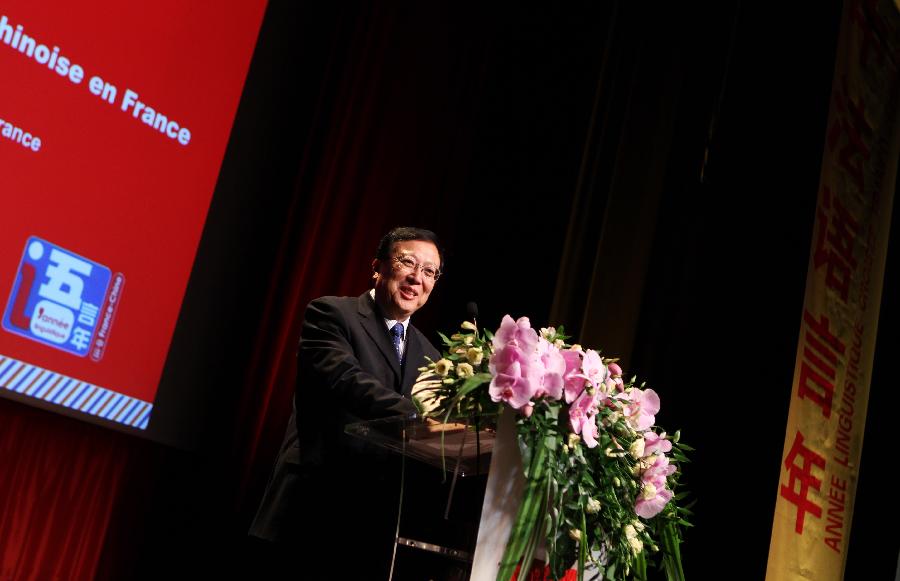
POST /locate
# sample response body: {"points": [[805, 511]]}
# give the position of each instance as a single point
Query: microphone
{"points": [[472, 311]]}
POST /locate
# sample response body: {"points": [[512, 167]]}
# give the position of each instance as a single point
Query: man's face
{"points": [[399, 291]]}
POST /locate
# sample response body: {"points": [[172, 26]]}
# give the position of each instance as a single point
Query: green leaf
{"points": [[587, 479], [680, 457], [468, 385]]}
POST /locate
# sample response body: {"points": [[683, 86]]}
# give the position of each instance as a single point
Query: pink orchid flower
{"points": [[642, 407], [589, 432], [517, 333], [514, 380], [593, 369], [515, 365], [573, 380], [582, 417], [656, 443], [654, 495], [554, 369]]}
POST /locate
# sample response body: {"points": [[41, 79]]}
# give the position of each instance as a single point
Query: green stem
{"points": [[582, 547], [672, 557], [640, 567], [527, 518], [533, 540]]}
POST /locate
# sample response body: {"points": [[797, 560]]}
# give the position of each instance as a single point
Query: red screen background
{"points": [[106, 186]]}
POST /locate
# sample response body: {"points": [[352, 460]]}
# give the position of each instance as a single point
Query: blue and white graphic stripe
{"points": [[55, 388]]}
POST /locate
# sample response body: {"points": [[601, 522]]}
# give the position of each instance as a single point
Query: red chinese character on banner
{"points": [[836, 231], [849, 126], [821, 349], [801, 479]]}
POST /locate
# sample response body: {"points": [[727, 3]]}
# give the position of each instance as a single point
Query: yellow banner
{"points": [[823, 441]]}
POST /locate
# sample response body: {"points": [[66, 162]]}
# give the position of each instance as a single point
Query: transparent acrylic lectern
{"points": [[439, 506]]}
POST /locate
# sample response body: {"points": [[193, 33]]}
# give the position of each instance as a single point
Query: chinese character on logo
{"points": [[56, 297], [88, 314]]}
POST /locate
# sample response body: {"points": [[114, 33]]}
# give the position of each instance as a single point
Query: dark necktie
{"points": [[397, 336]]}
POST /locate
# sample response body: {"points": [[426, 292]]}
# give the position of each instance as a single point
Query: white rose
{"points": [[443, 366], [465, 370], [649, 491], [637, 448]]}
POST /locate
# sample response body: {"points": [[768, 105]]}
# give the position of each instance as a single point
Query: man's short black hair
{"points": [[404, 234]]}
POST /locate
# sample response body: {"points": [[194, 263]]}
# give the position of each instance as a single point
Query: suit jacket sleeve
{"points": [[331, 348]]}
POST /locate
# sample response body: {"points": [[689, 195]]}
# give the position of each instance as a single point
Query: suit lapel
{"points": [[373, 323], [413, 358]]}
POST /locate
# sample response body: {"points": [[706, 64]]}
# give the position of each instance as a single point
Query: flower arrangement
{"points": [[600, 480]]}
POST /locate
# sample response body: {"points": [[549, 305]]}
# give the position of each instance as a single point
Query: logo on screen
{"points": [[56, 297]]}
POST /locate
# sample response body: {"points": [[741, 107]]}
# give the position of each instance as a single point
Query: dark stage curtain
{"points": [[426, 117], [370, 162], [59, 480]]}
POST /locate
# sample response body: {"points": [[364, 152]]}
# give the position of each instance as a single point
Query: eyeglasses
{"points": [[408, 264]]}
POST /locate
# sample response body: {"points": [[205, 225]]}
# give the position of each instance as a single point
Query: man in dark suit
{"points": [[333, 494]]}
